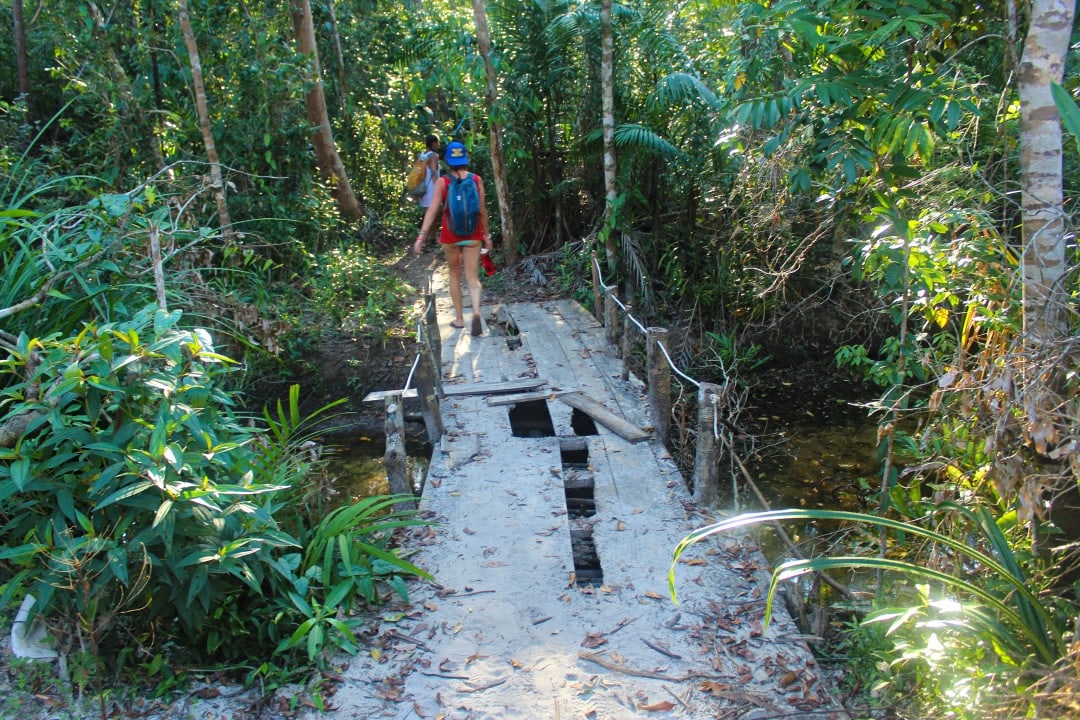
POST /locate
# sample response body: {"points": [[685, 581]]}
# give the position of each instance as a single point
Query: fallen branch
{"points": [[662, 651], [594, 658], [397, 634], [470, 687]]}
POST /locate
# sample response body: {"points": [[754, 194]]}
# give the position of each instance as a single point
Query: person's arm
{"points": [[484, 231], [429, 218], [433, 164]]}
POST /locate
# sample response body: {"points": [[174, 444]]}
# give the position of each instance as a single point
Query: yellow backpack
{"points": [[416, 181]]}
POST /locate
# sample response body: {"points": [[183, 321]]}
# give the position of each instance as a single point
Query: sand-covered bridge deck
{"points": [[556, 515]]}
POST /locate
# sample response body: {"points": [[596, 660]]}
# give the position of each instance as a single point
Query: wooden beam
{"points": [[380, 395], [605, 417], [493, 388], [521, 397]]}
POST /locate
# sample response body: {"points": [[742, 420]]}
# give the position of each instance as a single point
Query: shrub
{"points": [[137, 507]]}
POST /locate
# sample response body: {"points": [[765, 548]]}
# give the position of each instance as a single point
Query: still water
{"points": [[356, 467]]}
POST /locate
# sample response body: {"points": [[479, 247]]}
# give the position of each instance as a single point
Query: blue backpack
{"points": [[463, 202]]}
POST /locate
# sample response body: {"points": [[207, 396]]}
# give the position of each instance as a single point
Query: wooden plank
{"points": [[492, 388], [380, 395], [519, 397], [605, 417]]}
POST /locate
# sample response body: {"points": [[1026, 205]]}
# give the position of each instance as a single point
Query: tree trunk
{"points": [[204, 121], [1043, 259], [21, 62], [322, 139], [607, 81], [498, 162]]}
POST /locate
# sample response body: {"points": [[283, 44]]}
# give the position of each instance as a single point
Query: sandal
{"points": [[477, 328], [456, 326]]}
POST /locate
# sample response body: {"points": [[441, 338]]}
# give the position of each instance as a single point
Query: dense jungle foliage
{"points": [[174, 240]]}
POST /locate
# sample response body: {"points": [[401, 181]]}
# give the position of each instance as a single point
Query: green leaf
{"points": [[20, 473], [1069, 111], [125, 492]]}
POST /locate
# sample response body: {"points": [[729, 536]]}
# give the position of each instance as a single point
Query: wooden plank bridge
{"points": [[556, 515]]}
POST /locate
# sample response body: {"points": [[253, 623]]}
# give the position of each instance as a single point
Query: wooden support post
{"points": [[397, 475], [429, 387], [612, 326], [706, 467], [597, 309], [431, 328], [659, 376], [627, 342]]}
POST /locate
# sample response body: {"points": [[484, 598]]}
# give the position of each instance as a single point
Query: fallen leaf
{"points": [[593, 640], [788, 679], [431, 606], [620, 526], [207, 693], [474, 657], [468, 531], [654, 595], [515, 664], [711, 686], [662, 706]]}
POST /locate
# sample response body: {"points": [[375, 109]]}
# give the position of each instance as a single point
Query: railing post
{"points": [[706, 468], [612, 326], [397, 475], [429, 386], [659, 374], [431, 329], [597, 310], [627, 342]]}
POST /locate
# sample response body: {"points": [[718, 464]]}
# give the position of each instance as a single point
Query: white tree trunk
{"points": [[607, 81], [1043, 257]]}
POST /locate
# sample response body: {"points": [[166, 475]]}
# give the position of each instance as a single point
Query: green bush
{"points": [[355, 289], [139, 509]]}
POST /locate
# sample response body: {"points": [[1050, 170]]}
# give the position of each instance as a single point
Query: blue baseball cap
{"points": [[456, 155]]}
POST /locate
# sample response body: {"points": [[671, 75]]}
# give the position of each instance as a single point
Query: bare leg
{"points": [[453, 263], [471, 255]]}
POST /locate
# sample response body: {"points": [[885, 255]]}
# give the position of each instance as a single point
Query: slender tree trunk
{"points": [[498, 161], [322, 138], [607, 82], [340, 58], [1043, 258], [21, 62], [204, 121]]}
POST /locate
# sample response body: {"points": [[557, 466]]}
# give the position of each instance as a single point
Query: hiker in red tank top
{"points": [[459, 250]]}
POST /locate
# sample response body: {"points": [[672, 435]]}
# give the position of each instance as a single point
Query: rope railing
{"points": [[659, 368], [644, 330]]}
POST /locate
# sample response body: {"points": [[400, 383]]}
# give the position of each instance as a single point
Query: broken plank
{"points": [[605, 417], [521, 397], [498, 388]]}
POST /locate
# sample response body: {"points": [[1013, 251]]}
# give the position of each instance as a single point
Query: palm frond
{"points": [[679, 89], [642, 139]]}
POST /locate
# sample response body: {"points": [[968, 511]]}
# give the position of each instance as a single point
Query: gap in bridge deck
{"points": [[531, 419], [581, 423], [578, 489]]}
